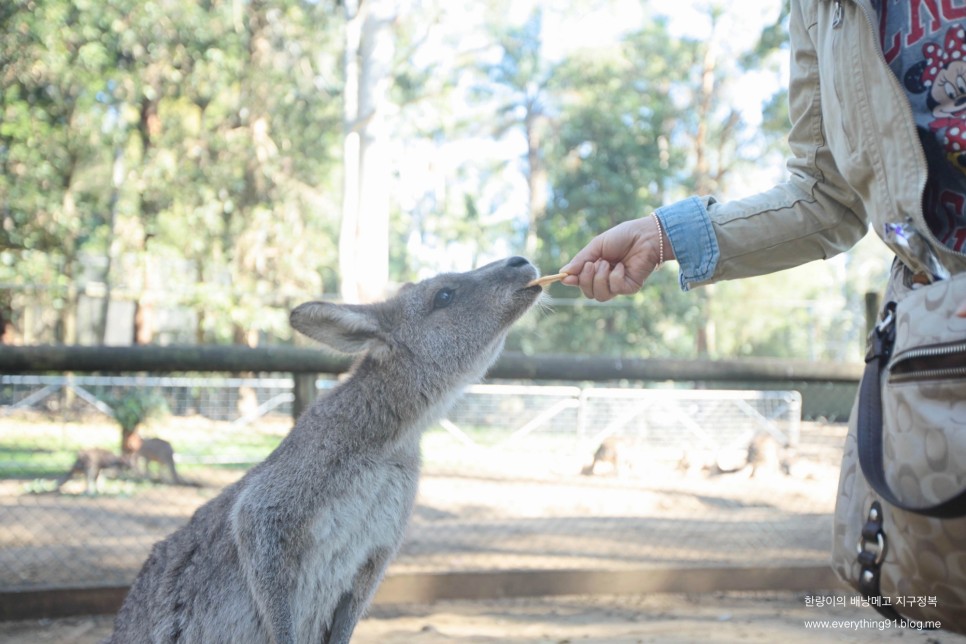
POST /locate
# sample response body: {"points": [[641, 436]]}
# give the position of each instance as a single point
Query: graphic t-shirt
{"points": [[925, 46]]}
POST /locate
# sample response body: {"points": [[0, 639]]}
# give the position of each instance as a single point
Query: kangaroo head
{"points": [[453, 324]]}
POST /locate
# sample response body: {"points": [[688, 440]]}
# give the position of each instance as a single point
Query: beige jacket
{"points": [[857, 161]]}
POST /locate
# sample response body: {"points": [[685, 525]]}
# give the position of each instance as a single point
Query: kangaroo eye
{"points": [[444, 297]]}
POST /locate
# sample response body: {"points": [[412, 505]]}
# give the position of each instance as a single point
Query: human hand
{"points": [[961, 311], [617, 261]]}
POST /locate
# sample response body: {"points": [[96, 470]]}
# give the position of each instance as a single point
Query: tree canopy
{"points": [[188, 168]]}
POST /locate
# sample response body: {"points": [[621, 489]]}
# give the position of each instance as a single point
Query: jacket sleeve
{"points": [[813, 215]]}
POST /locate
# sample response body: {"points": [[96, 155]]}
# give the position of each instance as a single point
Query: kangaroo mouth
{"points": [[531, 288]]}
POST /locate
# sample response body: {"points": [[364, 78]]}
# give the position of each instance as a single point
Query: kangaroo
{"points": [[90, 462], [158, 451], [762, 455], [294, 551], [609, 451]]}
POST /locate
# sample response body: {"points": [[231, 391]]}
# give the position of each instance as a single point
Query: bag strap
{"points": [[869, 430]]}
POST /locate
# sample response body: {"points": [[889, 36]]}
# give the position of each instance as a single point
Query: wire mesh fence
{"points": [[517, 477]]}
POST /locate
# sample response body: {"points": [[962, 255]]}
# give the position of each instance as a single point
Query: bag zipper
{"points": [[929, 363]]}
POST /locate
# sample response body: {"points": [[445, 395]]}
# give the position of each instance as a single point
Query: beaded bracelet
{"points": [[660, 240]]}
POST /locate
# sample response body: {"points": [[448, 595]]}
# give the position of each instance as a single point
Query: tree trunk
{"points": [[68, 314], [149, 127], [536, 180], [131, 440], [117, 179], [704, 184], [364, 237], [702, 167]]}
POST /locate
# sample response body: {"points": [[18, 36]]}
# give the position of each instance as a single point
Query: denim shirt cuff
{"points": [[688, 229]]}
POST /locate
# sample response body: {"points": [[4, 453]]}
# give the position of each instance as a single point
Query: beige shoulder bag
{"points": [[900, 518]]}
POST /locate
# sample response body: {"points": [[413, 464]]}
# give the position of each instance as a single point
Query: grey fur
{"points": [[294, 551]]}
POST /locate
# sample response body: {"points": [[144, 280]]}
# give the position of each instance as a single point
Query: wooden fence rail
{"points": [[157, 359], [306, 363]]}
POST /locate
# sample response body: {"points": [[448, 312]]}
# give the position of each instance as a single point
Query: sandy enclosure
{"points": [[461, 523], [479, 511], [507, 511]]}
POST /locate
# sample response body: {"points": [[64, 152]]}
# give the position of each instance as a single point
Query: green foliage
{"points": [[773, 37], [185, 156], [199, 127], [612, 152], [611, 161], [135, 407]]}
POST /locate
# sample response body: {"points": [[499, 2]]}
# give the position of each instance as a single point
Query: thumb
{"points": [[590, 253], [961, 311]]}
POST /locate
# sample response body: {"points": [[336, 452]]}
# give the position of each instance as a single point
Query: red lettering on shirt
{"points": [[917, 31], [954, 205], [953, 13], [895, 46], [952, 201]]}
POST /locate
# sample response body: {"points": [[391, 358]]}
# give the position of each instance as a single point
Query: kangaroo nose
{"points": [[514, 262]]}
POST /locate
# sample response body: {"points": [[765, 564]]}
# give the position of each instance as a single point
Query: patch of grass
{"points": [[17, 462], [231, 450], [34, 450], [38, 450], [122, 487]]}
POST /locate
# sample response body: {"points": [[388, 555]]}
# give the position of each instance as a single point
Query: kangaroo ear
{"points": [[346, 328]]}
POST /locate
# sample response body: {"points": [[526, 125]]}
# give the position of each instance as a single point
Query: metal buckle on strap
{"points": [[883, 335], [888, 318], [875, 555]]}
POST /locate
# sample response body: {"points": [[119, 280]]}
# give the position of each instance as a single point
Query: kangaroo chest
{"points": [[361, 524]]}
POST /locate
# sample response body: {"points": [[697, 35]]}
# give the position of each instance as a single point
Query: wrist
{"points": [[691, 237], [665, 251]]}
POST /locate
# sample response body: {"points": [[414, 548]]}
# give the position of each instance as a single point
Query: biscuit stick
{"points": [[547, 279]]}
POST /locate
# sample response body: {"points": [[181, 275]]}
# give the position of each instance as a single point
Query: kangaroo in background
{"points": [[155, 450], [91, 462], [294, 551], [763, 455], [609, 451]]}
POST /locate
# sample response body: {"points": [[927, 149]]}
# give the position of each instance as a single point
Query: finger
{"points": [[572, 279], [586, 280], [602, 291], [961, 311], [628, 283], [620, 282]]}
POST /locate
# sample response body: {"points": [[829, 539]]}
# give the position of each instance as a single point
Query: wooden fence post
{"points": [[303, 388]]}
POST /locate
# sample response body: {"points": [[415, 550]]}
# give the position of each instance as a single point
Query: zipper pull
{"points": [[837, 16]]}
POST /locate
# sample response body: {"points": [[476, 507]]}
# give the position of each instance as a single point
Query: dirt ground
{"points": [[476, 516], [519, 511], [718, 617]]}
